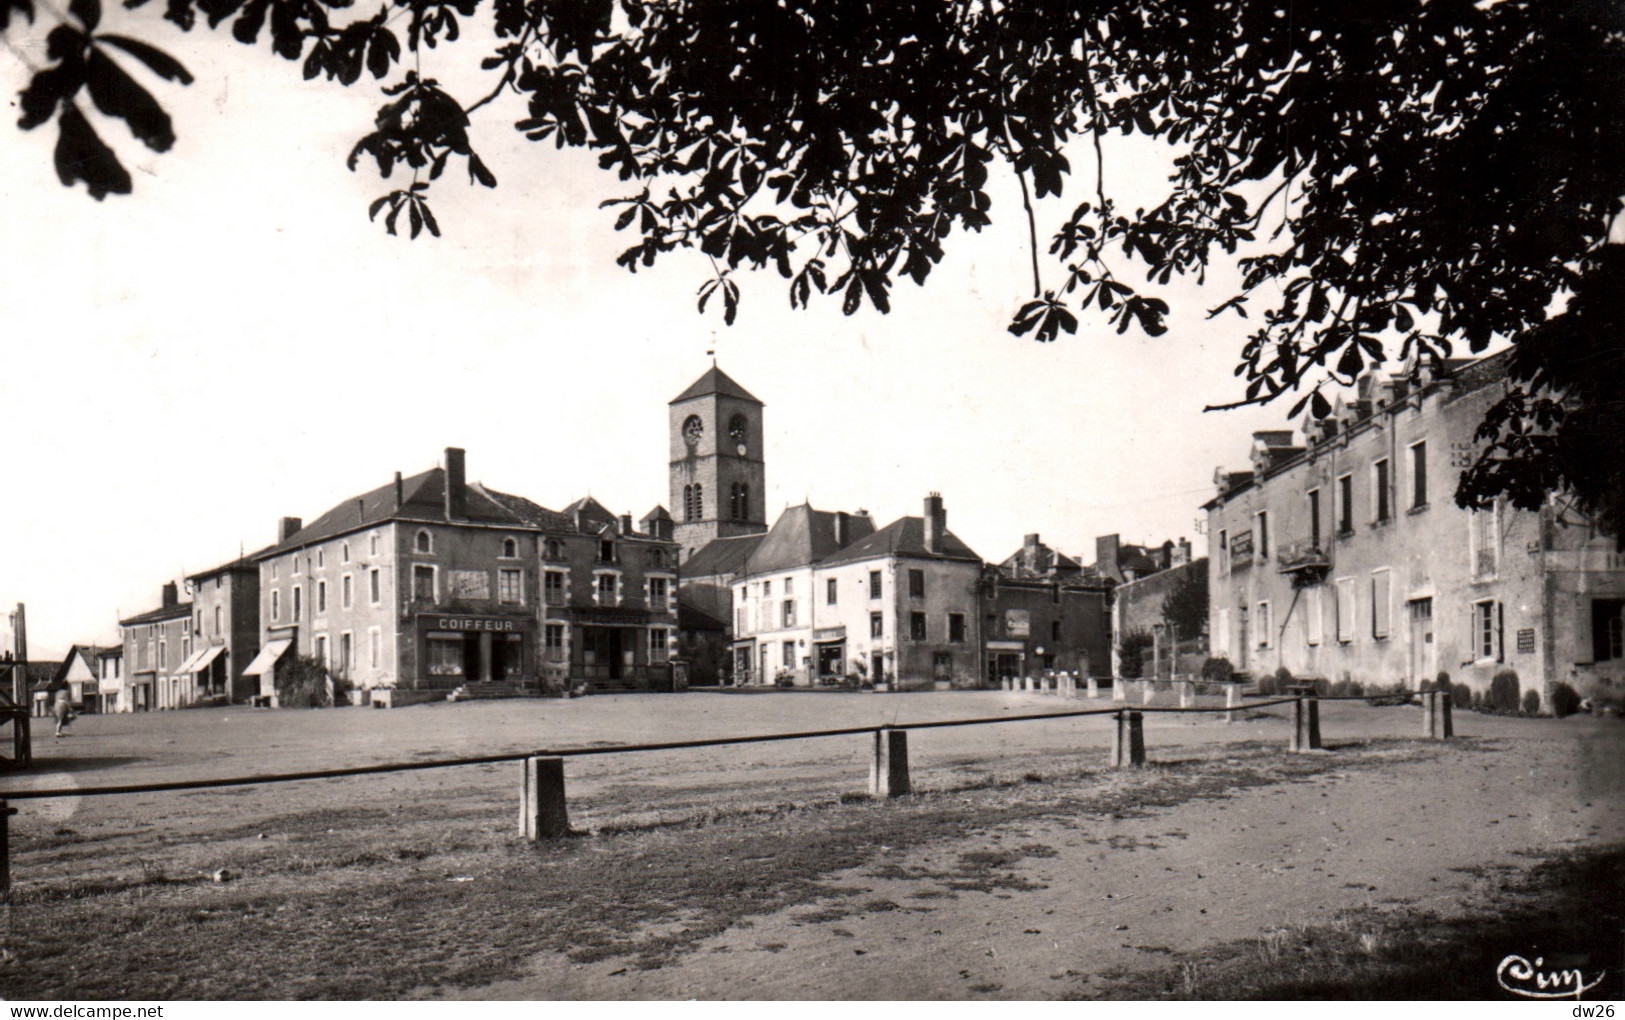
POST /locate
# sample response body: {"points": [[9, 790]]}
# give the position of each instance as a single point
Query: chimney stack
{"points": [[171, 596], [400, 496], [936, 522], [842, 528], [456, 485], [288, 527], [626, 525]]}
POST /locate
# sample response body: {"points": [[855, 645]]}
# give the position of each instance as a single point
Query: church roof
{"points": [[715, 381], [720, 557]]}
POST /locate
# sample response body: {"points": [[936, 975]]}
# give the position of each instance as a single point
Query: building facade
{"points": [[156, 644], [434, 583], [1343, 555], [225, 631], [899, 605], [1041, 611]]}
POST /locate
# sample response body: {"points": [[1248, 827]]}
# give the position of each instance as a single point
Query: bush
{"points": [[1442, 683], [302, 682], [1131, 652], [1218, 671], [1565, 700], [1531, 702], [1461, 695], [1503, 696], [1476, 701], [1276, 682], [1342, 689]]}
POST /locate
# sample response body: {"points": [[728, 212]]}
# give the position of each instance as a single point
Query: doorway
{"points": [[1424, 653], [601, 652]]}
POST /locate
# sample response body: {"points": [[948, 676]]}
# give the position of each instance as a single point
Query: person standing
{"points": [[61, 704]]}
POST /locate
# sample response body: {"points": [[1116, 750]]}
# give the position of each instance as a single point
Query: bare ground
{"points": [[1024, 870]]}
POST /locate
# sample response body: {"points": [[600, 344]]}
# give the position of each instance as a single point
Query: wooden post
{"points": [[1447, 727], [1128, 740], [1232, 701], [1187, 693], [888, 775], [1430, 714], [6, 811], [1305, 723], [543, 813]]}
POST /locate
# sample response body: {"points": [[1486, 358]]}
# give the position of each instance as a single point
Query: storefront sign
{"points": [[829, 634], [495, 624], [1241, 548]]}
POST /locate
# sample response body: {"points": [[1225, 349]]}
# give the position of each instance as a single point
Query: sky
{"points": [[235, 342]]}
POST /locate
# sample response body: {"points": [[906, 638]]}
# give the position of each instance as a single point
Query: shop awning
{"points": [[267, 657], [200, 659]]}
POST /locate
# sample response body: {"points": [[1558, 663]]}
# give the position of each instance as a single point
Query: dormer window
{"points": [[510, 548], [425, 542]]}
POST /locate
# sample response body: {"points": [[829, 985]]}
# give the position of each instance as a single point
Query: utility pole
{"points": [[19, 672]]}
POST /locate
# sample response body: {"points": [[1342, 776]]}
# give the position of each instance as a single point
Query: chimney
{"points": [[1106, 556], [288, 528], [400, 496], [842, 528], [626, 525], [171, 596], [456, 485], [936, 522]]}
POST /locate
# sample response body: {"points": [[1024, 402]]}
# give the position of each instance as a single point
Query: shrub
{"points": [[1341, 689], [1442, 683], [1565, 700], [1503, 696], [1476, 701], [301, 682], [1276, 682], [1131, 652], [1461, 695], [1218, 671], [1531, 702]]}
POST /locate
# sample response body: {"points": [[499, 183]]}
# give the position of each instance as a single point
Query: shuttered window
{"points": [[1314, 623], [1381, 601], [1345, 609]]}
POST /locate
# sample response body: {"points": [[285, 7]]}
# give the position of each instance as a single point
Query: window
{"points": [[606, 551], [1224, 551], [320, 651], [739, 501], [553, 638], [553, 587], [789, 586], [1314, 518], [375, 647], [346, 651], [344, 552], [659, 644], [297, 602], [372, 545], [425, 544], [346, 592], [423, 583], [740, 623], [276, 604], [606, 589], [657, 593], [767, 589], [831, 590], [1419, 475], [197, 621], [274, 569], [1345, 505], [789, 613], [321, 559], [445, 653], [1345, 609], [510, 584], [1314, 623], [1263, 535], [374, 586], [1266, 625], [219, 629], [1607, 629], [1381, 604], [321, 597], [1483, 540], [656, 558], [874, 584], [877, 626], [916, 626], [1379, 491], [956, 628], [1487, 630], [510, 548], [552, 549], [916, 584]]}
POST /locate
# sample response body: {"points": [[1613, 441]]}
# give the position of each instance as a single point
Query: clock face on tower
{"points": [[693, 429], [736, 432]]}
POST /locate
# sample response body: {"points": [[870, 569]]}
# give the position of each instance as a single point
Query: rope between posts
{"points": [[577, 752]]}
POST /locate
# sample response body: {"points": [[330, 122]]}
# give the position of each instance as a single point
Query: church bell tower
{"points": [[718, 480]]}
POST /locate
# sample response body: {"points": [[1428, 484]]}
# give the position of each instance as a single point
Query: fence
{"points": [[544, 811]]}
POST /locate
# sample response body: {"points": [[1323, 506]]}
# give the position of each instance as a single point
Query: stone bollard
{"points": [[543, 813], [888, 774], [1006, 683], [1027, 684], [1305, 724], [1187, 694], [1092, 688], [1119, 689], [1128, 740], [1232, 701]]}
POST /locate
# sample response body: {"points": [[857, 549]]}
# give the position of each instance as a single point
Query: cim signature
{"points": [[1520, 977]]}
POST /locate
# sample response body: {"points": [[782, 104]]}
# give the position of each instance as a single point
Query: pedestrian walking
{"points": [[61, 704]]}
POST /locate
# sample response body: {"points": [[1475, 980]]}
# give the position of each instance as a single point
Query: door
{"points": [[831, 659], [1424, 652], [1241, 638]]}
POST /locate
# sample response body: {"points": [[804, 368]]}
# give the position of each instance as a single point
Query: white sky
{"points": [[236, 342]]}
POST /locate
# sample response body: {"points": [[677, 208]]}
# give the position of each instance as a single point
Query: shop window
{"points": [[445, 654], [512, 657]]}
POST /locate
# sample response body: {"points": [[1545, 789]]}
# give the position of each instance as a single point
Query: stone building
{"points": [[1343, 555], [433, 583], [898, 605], [156, 644], [1042, 611], [225, 631]]}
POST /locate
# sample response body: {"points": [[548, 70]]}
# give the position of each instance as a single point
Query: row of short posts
{"points": [[1063, 683]]}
